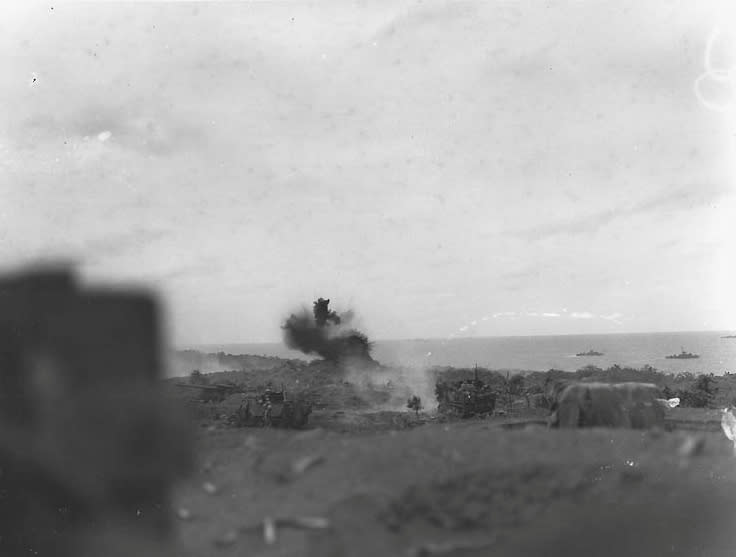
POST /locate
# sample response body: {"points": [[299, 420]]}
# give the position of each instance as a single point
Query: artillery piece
{"points": [[272, 408], [216, 392]]}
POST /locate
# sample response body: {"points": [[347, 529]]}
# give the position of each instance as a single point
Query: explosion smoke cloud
{"points": [[326, 333]]}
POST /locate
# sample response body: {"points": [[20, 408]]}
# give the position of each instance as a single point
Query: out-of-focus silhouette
{"points": [[89, 447]]}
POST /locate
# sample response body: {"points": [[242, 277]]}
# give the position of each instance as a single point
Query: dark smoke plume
{"points": [[327, 334]]}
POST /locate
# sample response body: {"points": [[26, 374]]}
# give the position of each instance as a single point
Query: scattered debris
{"points": [[269, 526]]}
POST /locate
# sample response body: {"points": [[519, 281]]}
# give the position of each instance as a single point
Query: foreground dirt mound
{"points": [[649, 521], [504, 492], [487, 497], [602, 493]]}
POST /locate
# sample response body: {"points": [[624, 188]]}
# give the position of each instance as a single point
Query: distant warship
{"points": [[682, 355], [589, 353]]}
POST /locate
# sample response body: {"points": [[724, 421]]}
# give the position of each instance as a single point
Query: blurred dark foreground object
{"points": [[89, 448]]}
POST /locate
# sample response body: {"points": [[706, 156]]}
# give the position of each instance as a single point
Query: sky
{"points": [[442, 168]]}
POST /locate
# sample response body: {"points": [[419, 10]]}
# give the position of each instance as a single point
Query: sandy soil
{"points": [[390, 484]]}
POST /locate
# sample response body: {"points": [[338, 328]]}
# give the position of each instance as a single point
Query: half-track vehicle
{"points": [[271, 409], [465, 398]]}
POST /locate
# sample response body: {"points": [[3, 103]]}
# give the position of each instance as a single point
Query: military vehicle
{"points": [[590, 353], [271, 409], [465, 398], [682, 355]]}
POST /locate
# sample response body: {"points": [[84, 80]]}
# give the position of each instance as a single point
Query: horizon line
{"points": [[179, 346]]}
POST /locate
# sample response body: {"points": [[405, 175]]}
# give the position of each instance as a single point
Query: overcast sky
{"points": [[490, 168]]}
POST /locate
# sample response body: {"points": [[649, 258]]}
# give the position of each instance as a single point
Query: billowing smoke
{"points": [[389, 388], [326, 333]]}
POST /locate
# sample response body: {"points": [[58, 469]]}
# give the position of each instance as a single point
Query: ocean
{"points": [[540, 353]]}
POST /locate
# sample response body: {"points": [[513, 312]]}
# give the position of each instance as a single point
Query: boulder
{"points": [[621, 405]]}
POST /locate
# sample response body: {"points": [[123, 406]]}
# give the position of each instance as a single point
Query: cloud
{"points": [[614, 317], [227, 127], [582, 315], [425, 18], [142, 128], [682, 198]]}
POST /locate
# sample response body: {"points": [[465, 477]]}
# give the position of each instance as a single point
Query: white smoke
{"points": [[389, 388], [181, 364]]}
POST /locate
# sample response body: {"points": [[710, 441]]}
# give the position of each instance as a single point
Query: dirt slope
{"points": [[520, 491]]}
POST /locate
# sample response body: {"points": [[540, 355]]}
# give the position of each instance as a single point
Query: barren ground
{"points": [[393, 484]]}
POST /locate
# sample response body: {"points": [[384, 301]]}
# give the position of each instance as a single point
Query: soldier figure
{"points": [[267, 405]]}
